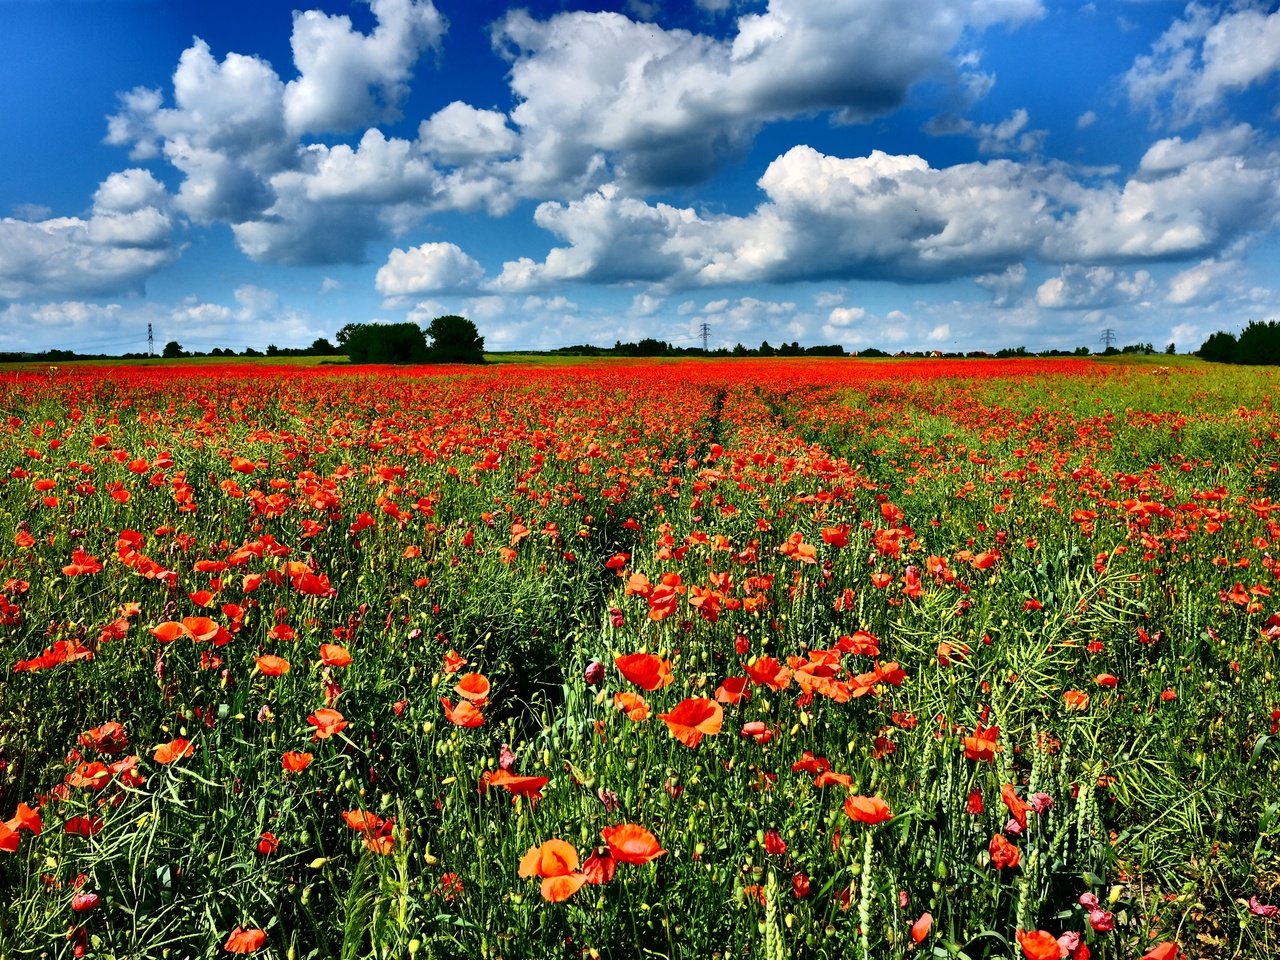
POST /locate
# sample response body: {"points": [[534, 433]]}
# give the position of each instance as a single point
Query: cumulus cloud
{"points": [[127, 237], [349, 80], [429, 268], [1005, 287], [1091, 288], [896, 217], [64, 324], [460, 134], [1201, 282], [1173, 153], [603, 96], [1204, 56], [234, 133]]}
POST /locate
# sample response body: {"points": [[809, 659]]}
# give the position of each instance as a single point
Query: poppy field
{"points": [[812, 658]]}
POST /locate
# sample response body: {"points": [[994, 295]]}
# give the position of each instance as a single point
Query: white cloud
{"points": [[349, 80], [1080, 288], [1201, 282], [604, 97], [429, 268], [939, 334], [896, 217], [1173, 153], [1006, 137], [842, 317], [1086, 120], [1202, 58], [1005, 287], [127, 237], [460, 134], [69, 325]]}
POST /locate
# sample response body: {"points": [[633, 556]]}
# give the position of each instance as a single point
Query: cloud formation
{"points": [[126, 238]]}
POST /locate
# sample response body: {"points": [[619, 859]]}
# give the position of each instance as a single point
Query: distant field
{"points": [[748, 658]]}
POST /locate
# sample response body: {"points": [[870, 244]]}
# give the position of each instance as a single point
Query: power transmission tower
{"points": [[705, 331], [151, 342], [1108, 338]]}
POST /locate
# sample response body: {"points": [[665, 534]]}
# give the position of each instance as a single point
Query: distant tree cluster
{"points": [[1258, 343], [173, 350], [453, 339]]}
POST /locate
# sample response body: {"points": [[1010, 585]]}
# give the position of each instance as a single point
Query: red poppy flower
{"points": [[632, 843], [645, 670], [244, 940], [175, 749], [295, 762], [464, 714], [733, 690], [267, 843], [1039, 945], [334, 655], [1017, 807], [870, 810], [269, 665], [473, 687], [327, 722], [768, 672], [920, 929], [518, 785], [692, 718], [984, 744], [600, 867], [109, 738], [634, 705], [1076, 700], [1003, 853], [1163, 951]]}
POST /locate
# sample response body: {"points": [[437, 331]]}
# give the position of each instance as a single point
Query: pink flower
{"points": [[1262, 909]]}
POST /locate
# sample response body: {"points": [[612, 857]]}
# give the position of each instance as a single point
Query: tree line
{"points": [[1258, 344]]}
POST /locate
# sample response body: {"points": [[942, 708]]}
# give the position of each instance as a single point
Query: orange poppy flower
{"points": [[870, 810], [169, 631], [600, 867], [295, 762], [733, 690], [1075, 699], [327, 722], [272, 666], [636, 707], [1003, 853], [829, 778], [334, 655], [632, 843], [519, 786], [9, 839], [464, 714], [559, 889], [554, 858], [25, 818], [984, 744], [473, 687], [645, 670], [203, 629], [920, 929], [245, 940], [1039, 945], [108, 738], [768, 672], [175, 749], [1163, 951], [1017, 806], [692, 718]]}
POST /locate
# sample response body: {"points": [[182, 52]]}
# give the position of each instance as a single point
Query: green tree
{"points": [[172, 350], [1220, 348], [321, 347], [455, 339], [1259, 343], [385, 343]]}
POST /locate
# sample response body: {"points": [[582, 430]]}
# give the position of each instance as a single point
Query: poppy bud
{"points": [[84, 902], [594, 673]]}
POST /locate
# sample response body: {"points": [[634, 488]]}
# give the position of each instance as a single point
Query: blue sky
{"points": [[939, 174]]}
